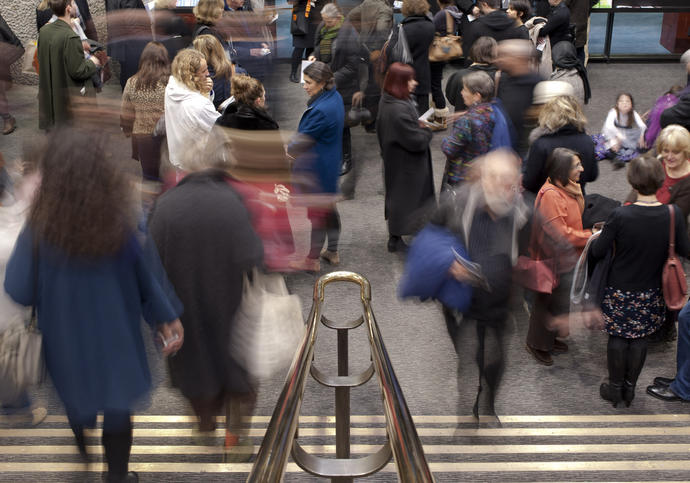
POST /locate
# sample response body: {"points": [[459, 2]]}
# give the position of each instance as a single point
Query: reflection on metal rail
{"points": [[280, 439]]}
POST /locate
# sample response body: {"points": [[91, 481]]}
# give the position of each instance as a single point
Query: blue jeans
{"points": [[681, 384]]}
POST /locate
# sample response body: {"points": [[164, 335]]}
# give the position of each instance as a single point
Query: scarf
{"points": [[575, 190], [328, 35], [564, 56]]}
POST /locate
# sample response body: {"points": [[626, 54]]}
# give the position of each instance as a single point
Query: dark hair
{"points": [[631, 116], [321, 72], [445, 3], [396, 80], [479, 83], [495, 4], [559, 164], [84, 205], [483, 50], [646, 174], [522, 7], [59, 6], [154, 66]]}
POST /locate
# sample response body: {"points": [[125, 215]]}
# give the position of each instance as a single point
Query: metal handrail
{"points": [[407, 449]]}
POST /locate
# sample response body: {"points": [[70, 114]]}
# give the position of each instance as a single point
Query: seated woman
{"points": [[633, 304], [557, 231], [219, 67]]}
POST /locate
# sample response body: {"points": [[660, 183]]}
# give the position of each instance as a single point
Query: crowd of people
{"points": [[93, 253]]}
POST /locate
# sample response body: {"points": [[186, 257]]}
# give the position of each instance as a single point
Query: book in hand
{"points": [[474, 269]]}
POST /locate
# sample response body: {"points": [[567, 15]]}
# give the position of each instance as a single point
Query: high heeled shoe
{"points": [[628, 393], [611, 392]]}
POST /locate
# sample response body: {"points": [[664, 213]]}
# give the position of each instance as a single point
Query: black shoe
{"points": [[131, 477], [346, 166], [370, 128], [542, 357], [396, 244], [294, 77], [663, 392], [611, 392], [663, 381], [628, 393]]}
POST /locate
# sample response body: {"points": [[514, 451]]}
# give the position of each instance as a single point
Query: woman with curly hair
{"points": [[189, 112], [219, 67], [79, 262]]}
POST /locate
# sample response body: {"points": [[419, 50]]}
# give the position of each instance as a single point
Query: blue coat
{"points": [[89, 312], [323, 124]]}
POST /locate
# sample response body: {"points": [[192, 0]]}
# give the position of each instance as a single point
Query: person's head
{"points": [[546, 91], [488, 6], [154, 66], [553, 3], [499, 175], [61, 8], [214, 54], [317, 77], [625, 105], [248, 90], [84, 205], [519, 10], [516, 56], [563, 165], [399, 81], [445, 3], [562, 111], [412, 8], [646, 174], [483, 50], [164, 4], [477, 87], [564, 55], [673, 145], [208, 11], [331, 15], [190, 69]]}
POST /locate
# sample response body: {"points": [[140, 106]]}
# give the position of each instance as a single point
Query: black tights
{"points": [[625, 359], [298, 53]]}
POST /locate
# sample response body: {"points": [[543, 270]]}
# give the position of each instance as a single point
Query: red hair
{"points": [[396, 80]]}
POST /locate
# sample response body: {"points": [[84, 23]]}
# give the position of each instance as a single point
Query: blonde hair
{"points": [[43, 5], [214, 54], [561, 111], [414, 7], [674, 137], [246, 89], [185, 67], [162, 4], [208, 11]]}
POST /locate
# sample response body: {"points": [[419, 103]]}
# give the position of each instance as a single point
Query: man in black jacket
{"points": [[493, 23], [557, 23]]}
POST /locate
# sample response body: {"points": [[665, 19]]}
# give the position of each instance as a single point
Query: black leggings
{"points": [[299, 53], [116, 439], [323, 226], [625, 359]]}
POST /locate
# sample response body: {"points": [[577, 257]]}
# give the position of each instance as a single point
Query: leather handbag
{"points": [[447, 47], [299, 25], [673, 283]]}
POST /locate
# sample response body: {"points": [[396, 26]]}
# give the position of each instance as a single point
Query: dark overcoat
{"points": [[420, 32], [206, 243], [346, 59], [408, 176]]}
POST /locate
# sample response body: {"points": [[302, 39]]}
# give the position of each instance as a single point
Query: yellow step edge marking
{"points": [[487, 467], [369, 448]]}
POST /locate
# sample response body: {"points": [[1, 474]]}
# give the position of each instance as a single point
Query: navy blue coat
{"points": [[322, 123], [89, 312]]}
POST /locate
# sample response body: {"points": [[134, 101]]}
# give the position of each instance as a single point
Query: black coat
{"points": [[678, 114], [307, 41], [557, 24], [497, 25], [407, 170], [206, 243], [346, 59], [171, 30], [242, 116], [454, 83], [420, 32], [10, 48], [535, 173], [515, 92]]}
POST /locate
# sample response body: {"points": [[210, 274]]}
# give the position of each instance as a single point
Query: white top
{"points": [[189, 117], [614, 133], [11, 222]]}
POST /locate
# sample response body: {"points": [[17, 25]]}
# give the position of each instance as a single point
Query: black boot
{"points": [[611, 392], [628, 392], [294, 77]]}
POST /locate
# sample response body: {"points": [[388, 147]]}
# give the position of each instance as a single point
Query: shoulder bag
{"points": [[447, 47], [299, 25], [673, 283]]}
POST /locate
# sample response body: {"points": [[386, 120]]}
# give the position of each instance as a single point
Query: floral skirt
{"points": [[601, 151], [633, 314]]}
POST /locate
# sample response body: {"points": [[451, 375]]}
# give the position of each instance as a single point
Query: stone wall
{"points": [[20, 15]]}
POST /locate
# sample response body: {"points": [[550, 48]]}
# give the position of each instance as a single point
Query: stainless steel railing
{"points": [[281, 436]]}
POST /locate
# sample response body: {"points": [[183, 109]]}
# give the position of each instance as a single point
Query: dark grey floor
{"points": [[423, 355]]}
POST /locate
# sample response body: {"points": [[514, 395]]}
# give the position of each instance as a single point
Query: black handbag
{"points": [[299, 25]]}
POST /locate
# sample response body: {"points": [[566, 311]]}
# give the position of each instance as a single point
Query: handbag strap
{"points": [[449, 24], [672, 233], [540, 196]]}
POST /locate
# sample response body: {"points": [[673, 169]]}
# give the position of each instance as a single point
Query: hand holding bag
{"points": [[673, 283], [447, 47]]}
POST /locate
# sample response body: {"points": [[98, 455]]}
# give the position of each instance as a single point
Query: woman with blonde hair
{"points": [[219, 67], [561, 125], [189, 112], [207, 13]]}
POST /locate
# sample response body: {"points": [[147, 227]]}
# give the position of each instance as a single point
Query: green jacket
{"points": [[63, 71]]}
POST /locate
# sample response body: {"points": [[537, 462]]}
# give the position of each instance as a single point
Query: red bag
{"points": [[673, 283]]}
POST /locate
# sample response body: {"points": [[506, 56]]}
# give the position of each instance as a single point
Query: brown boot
{"points": [[10, 125]]}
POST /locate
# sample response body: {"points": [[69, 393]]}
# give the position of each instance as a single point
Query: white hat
{"points": [[547, 90], [685, 58]]}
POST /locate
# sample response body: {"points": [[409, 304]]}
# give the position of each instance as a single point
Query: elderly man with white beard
{"points": [[485, 215]]}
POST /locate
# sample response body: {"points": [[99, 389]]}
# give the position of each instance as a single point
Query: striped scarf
{"points": [[328, 35]]}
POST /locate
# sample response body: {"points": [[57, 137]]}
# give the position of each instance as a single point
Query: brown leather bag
{"points": [[673, 282], [448, 47]]}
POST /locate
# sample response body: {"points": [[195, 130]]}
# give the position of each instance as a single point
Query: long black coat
{"points": [[307, 41], [346, 59], [206, 243], [419, 32], [408, 176]]}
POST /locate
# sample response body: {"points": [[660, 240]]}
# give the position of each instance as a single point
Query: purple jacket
{"points": [[653, 122]]}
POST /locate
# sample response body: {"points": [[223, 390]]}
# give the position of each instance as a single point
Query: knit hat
{"points": [[547, 90]]}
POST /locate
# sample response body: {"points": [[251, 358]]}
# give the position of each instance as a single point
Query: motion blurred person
{"points": [[419, 31], [484, 215], [202, 223], [677, 388], [63, 69], [407, 171], [557, 235], [79, 262], [482, 57], [169, 28], [143, 104], [303, 43], [219, 67], [633, 304], [317, 149], [129, 30], [11, 50], [189, 112]]}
